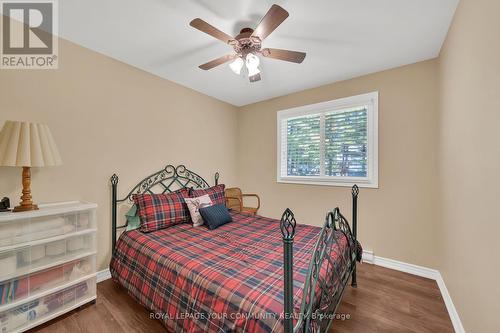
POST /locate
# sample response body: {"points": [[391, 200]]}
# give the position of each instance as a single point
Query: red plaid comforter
{"points": [[225, 280]]}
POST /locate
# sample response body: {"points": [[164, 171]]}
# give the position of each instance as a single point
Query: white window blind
{"points": [[345, 143], [303, 146], [331, 143]]}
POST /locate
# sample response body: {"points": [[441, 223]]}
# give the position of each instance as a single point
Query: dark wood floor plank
{"points": [[128, 313], [385, 301]]}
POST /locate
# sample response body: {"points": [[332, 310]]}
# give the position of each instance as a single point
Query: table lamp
{"points": [[26, 145]]}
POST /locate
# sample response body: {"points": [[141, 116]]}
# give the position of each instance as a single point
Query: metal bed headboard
{"points": [[167, 180]]}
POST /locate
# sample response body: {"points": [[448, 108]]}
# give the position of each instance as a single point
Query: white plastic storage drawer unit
{"points": [[47, 263]]}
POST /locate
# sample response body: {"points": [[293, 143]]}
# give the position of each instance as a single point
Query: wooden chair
{"points": [[234, 200]]}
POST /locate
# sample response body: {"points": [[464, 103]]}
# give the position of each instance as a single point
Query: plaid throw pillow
{"points": [[159, 211], [216, 193]]}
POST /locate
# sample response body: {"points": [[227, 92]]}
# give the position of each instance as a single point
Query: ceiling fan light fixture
{"points": [[253, 71], [236, 65], [252, 61]]}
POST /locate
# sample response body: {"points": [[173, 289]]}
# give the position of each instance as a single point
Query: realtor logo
{"points": [[29, 34]]}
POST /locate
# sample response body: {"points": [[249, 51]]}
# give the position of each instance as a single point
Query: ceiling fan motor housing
{"points": [[244, 43]]}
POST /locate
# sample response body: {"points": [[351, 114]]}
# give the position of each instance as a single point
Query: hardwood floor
{"points": [[391, 301], [385, 301]]}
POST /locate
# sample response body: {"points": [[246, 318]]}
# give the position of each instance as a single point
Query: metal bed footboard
{"points": [[318, 309]]}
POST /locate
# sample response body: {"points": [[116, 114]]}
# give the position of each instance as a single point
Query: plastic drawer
{"points": [[34, 312], [37, 283], [21, 231], [45, 254]]}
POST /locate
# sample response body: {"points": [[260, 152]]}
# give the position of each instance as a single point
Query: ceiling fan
{"points": [[247, 44]]}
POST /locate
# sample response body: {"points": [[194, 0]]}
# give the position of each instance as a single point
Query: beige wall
{"points": [[469, 163], [438, 150], [108, 117], [398, 220]]}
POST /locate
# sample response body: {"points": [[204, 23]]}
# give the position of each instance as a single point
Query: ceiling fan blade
{"points": [[254, 78], [274, 17], [218, 61], [286, 55], [210, 29]]}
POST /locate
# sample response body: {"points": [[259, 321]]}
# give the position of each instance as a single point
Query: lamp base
{"points": [[25, 208], [26, 202]]}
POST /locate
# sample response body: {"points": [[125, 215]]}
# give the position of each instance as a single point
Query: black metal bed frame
{"points": [[316, 311]]}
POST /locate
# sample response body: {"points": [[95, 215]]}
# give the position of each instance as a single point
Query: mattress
{"points": [[228, 279]]}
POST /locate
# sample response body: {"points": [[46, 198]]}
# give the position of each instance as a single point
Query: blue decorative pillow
{"points": [[215, 216]]}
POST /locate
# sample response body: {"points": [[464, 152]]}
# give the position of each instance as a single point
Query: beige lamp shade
{"points": [[25, 144]]}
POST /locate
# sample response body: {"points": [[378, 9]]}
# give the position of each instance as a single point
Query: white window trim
{"points": [[371, 181]]}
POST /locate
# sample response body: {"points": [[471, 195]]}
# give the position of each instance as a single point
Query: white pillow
{"points": [[194, 204]]}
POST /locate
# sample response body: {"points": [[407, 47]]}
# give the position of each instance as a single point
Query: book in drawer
{"points": [[38, 310]]}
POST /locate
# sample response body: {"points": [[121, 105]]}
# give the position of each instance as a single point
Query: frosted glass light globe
{"points": [[236, 65]]}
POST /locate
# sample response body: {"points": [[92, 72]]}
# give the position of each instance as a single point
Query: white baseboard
{"points": [[452, 311], [368, 256], [103, 275], [429, 273]]}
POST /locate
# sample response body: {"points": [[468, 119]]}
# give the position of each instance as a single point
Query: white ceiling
{"points": [[343, 39]]}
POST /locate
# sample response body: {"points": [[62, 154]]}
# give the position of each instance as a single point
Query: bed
{"points": [[254, 274]]}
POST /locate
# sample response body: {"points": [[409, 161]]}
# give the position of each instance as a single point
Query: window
{"points": [[332, 143]]}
